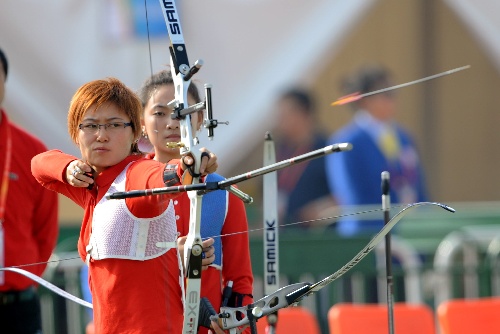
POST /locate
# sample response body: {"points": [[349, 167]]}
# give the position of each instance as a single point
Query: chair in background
{"points": [[292, 320], [461, 316], [346, 318]]}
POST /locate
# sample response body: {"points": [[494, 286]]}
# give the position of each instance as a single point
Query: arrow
{"points": [[357, 96]]}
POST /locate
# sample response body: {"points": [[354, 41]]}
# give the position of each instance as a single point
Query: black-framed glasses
{"points": [[93, 128]]}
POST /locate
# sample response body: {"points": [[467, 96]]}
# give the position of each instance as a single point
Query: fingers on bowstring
{"points": [[80, 174]]}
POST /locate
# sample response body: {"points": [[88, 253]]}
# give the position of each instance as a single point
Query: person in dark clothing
{"points": [[303, 188]]}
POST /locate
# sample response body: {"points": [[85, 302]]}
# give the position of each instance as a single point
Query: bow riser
{"points": [[193, 248]]}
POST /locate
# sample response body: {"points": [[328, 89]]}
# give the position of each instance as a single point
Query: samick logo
{"points": [[271, 252], [171, 16]]}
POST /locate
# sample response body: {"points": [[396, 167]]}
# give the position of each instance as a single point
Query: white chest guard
{"points": [[117, 233]]}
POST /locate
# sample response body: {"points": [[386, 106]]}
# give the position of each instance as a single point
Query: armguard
{"points": [[170, 177]]}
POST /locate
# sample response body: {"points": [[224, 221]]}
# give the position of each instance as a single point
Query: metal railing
{"points": [[462, 253]]}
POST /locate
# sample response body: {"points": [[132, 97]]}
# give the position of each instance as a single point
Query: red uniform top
{"points": [[236, 264], [128, 296], [30, 226]]}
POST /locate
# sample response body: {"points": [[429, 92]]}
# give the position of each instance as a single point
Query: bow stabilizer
{"points": [[224, 184]]}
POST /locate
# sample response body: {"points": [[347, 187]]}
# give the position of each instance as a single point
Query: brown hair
{"points": [[98, 92], [5, 63], [302, 98], [161, 78]]}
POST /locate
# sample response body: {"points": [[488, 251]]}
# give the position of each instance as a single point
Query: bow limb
{"points": [[294, 293], [370, 246], [271, 231], [193, 248], [48, 285]]}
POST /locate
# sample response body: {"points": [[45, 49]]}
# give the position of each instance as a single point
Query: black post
{"points": [[386, 203]]}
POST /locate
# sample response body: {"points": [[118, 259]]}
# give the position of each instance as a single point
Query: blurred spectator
{"points": [[303, 188], [379, 144], [28, 223]]}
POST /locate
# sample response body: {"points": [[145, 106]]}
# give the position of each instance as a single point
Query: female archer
{"points": [[134, 284], [223, 214]]}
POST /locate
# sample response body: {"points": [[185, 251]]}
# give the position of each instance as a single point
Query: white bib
{"points": [[117, 233]]}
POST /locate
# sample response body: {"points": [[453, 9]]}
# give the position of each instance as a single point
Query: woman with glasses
{"points": [[134, 283]]}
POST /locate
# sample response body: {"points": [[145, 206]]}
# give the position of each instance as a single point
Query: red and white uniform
{"points": [[129, 296]]}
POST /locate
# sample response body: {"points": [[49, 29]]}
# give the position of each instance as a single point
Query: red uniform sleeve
{"points": [[44, 218], [49, 168], [46, 225], [237, 266], [148, 174]]}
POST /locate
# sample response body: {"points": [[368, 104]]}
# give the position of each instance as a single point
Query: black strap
{"points": [[236, 299], [170, 177]]}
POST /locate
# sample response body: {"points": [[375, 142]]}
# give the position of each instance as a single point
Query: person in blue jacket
{"points": [[379, 144]]}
